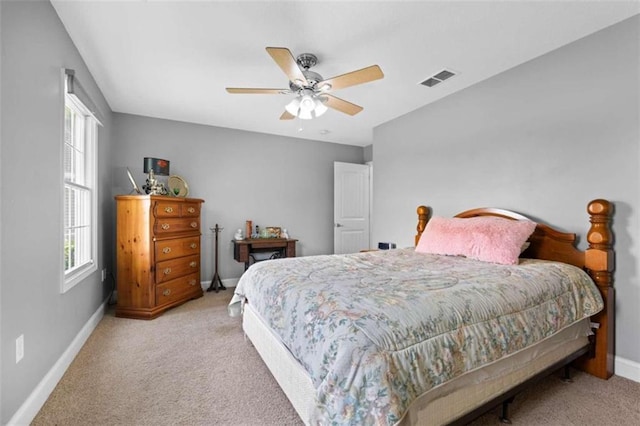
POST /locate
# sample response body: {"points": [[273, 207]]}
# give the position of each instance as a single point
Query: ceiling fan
{"points": [[312, 97]]}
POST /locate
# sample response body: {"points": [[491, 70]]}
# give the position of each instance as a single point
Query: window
{"points": [[80, 217]]}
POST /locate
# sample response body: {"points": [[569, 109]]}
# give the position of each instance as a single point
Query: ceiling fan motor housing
{"points": [[313, 78], [307, 60]]}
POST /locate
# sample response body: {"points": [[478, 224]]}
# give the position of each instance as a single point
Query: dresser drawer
{"points": [[167, 209], [178, 289], [191, 210], [171, 269], [163, 226], [177, 247]]}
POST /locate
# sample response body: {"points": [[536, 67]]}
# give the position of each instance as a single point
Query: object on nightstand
{"points": [[386, 246], [238, 235], [273, 232], [249, 228], [284, 234]]}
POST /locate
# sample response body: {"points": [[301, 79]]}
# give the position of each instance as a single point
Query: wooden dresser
{"points": [[158, 253]]}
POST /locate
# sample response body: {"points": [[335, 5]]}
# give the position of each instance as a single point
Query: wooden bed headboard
{"points": [[598, 260]]}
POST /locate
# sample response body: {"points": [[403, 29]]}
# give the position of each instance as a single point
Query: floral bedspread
{"points": [[375, 330]]}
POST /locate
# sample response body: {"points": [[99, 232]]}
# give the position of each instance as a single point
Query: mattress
{"points": [[375, 331]]}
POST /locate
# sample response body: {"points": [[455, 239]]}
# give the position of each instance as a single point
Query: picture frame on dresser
{"points": [[134, 184], [158, 251]]}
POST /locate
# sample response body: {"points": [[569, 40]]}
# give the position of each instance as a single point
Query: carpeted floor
{"points": [[192, 366]]}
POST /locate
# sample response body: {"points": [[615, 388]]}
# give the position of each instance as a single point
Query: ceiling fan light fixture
{"points": [[294, 106], [307, 103], [310, 88], [320, 107], [305, 115]]}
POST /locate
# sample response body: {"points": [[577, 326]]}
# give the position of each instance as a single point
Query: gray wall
{"points": [[271, 180], [35, 47], [368, 153], [543, 139]]}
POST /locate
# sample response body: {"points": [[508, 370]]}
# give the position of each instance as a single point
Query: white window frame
{"points": [[77, 274]]}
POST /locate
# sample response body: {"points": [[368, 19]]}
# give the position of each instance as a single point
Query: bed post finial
{"points": [[423, 217], [599, 255], [599, 262], [600, 236]]}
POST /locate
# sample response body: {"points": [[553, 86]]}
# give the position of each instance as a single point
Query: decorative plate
{"points": [[178, 186]]}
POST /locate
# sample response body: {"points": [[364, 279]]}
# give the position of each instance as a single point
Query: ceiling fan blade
{"points": [[287, 62], [342, 105], [240, 90], [353, 78], [287, 116]]}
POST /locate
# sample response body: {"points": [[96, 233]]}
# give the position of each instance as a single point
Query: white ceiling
{"points": [[173, 59]]}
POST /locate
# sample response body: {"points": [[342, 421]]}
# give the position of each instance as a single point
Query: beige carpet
{"points": [[192, 366]]}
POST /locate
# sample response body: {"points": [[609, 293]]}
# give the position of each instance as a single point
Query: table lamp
{"points": [[159, 167]]}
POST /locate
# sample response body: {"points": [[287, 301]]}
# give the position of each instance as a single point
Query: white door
{"points": [[351, 207]]}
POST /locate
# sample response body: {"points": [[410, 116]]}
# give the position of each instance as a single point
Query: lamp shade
{"points": [[306, 103], [293, 106], [320, 107], [156, 165]]}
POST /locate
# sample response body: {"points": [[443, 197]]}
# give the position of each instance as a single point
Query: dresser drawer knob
{"points": [[194, 224], [166, 292], [191, 210], [193, 264], [166, 250], [165, 226], [192, 282], [193, 245], [168, 209], [167, 271]]}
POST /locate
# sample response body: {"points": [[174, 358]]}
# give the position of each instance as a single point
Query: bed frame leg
{"points": [[504, 416], [566, 375]]}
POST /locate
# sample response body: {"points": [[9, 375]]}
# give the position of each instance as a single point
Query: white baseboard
{"points": [[227, 282], [30, 408], [627, 369]]}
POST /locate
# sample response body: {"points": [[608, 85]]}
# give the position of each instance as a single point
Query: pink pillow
{"points": [[486, 238]]}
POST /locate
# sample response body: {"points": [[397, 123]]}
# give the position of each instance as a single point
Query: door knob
{"points": [[339, 225]]}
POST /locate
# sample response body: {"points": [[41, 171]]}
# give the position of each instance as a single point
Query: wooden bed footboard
{"points": [[598, 260]]}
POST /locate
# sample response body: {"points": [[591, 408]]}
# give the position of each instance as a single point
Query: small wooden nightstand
{"points": [[243, 249]]}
